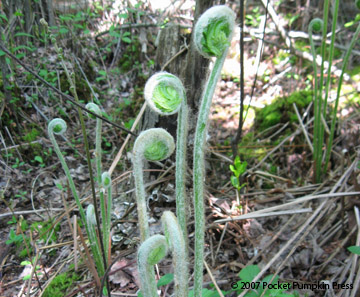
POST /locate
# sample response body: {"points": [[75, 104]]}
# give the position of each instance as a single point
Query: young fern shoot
{"points": [[155, 248], [316, 25], [165, 94], [104, 183], [152, 145], [94, 243], [106, 219], [58, 126], [343, 69], [151, 252], [177, 246], [212, 36]]}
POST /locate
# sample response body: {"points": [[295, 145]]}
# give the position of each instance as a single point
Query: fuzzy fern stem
{"points": [[151, 251], [212, 36], [165, 94], [177, 246], [152, 145]]}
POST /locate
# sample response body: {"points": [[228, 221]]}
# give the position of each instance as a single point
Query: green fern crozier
{"points": [[166, 98], [215, 37]]}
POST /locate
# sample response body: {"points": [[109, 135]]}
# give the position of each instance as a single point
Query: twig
{"points": [[26, 212], [303, 128], [12, 141], [119, 154], [314, 218], [262, 215], [213, 279], [87, 81], [303, 199]]}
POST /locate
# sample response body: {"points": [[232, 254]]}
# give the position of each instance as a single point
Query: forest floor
{"points": [[281, 220]]}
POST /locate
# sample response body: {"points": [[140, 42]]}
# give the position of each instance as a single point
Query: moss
{"points": [[281, 110], [31, 135], [60, 284]]}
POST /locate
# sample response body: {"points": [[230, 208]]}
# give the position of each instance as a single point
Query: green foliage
{"points": [[18, 239], [281, 110], [26, 277], [60, 284], [257, 288], [354, 249], [43, 229], [166, 98], [31, 135], [252, 18], [215, 37], [237, 169]]}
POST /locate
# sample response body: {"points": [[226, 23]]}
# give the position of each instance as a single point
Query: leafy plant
{"points": [[237, 169], [25, 263], [60, 284]]}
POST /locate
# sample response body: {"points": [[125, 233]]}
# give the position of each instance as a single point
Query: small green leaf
{"points": [[354, 249], [102, 72], [165, 280], [63, 30], [23, 34], [39, 159], [123, 15], [126, 39], [26, 277], [248, 273], [3, 16], [234, 181], [24, 263]]}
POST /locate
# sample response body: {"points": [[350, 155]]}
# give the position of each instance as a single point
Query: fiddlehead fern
{"points": [[104, 215], [353, 41], [153, 249], [213, 31], [94, 243], [152, 145], [316, 25], [165, 94], [177, 245], [212, 35], [58, 127], [106, 220]]}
